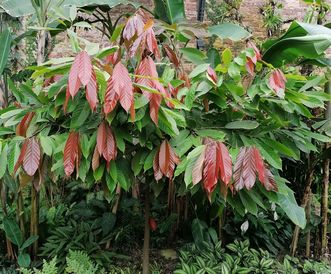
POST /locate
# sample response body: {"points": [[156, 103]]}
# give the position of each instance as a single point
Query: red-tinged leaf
{"points": [[250, 66], [224, 163], [101, 138], [259, 164], [154, 106], [212, 75], [210, 170], [85, 67], [171, 55], [132, 113], [183, 76], [65, 105], [73, 80], [277, 82], [21, 157], [152, 224], [149, 78], [256, 51], [134, 26], [269, 182], [122, 85], [156, 167], [110, 150], [70, 155], [164, 157], [111, 98], [92, 91], [167, 159], [173, 91], [32, 156], [244, 169], [114, 58], [95, 159], [198, 168], [146, 41], [151, 43], [23, 126]]}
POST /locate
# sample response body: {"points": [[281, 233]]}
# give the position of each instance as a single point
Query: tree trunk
{"points": [[308, 237], [326, 179], [34, 224], [309, 181], [41, 47], [147, 235]]}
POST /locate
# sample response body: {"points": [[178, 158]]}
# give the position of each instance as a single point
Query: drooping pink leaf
{"points": [[121, 84], [71, 153], [32, 156], [134, 26], [244, 169], [224, 163], [156, 168], [23, 126], [165, 161], [277, 82], [210, 170], [212, 75], [92, 92], [198, 168]]}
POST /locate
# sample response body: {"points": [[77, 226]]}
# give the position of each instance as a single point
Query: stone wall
{"points": [[250, 11]]}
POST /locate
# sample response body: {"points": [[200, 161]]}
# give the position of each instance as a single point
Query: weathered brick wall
{"points": [[250, 11]]}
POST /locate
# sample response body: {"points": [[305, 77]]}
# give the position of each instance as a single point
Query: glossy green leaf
{"points": [[170, 11], [229, 31], [5, 42], [13, 232], [242, 124]]}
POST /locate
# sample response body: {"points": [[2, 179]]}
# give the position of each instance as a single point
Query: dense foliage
{"points": [[87, 139]]}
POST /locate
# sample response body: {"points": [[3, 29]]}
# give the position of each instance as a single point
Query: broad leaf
{"points": [[170, 11], [229, 31], [5, 42], [71, 153]]}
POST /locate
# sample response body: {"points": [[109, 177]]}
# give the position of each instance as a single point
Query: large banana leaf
{"points": [[18, 8], [301, 40], [170, 11], [5, 42]]}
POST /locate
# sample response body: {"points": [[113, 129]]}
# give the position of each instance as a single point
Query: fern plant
{"points": [[47, 268], [78, 262]]}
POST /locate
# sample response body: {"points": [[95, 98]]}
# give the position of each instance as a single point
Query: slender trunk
{"points": [[34, 223], [326, 181], [308, 237], [20, 212], [309, 181], [147, 235]]}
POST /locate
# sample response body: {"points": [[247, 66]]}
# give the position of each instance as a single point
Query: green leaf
{"points": [[29, 242], [47, 144], [301, 40], [288, 203], [242, 124], [248, 202], [193, 55], [80, 115], [3, 161], [170, 11], [149, 160], [13, 232], [229, 31], [5, 42], [24, 260], [227, 56], [212, 133], [13, 154]]}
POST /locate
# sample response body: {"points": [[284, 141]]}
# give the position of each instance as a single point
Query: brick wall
{"points": [[250, 11]]}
